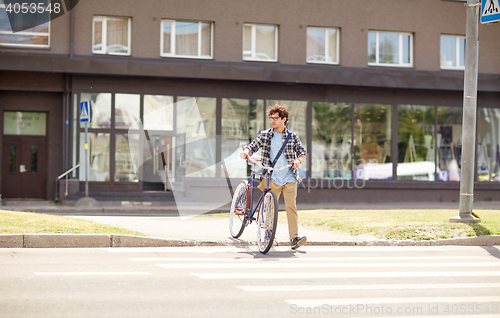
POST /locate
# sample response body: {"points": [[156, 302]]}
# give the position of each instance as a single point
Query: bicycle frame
{"points": [[250, 216]]}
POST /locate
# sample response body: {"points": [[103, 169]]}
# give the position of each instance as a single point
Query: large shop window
{"points": [[372, 142], [331, 141], [452, 54], [427, 152], [196, 121], [111, 35], [488, 139], [322, 45], [297, 122], [109, 130], [98, 156], [186, 39], [416, 154], [260, 42], [37, 37], [243, 120], [390, 49]]}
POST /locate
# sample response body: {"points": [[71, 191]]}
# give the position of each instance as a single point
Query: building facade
{"points": [[375, 91]]}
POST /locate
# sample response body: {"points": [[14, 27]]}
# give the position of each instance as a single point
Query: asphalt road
{"points": [[449, 281]]}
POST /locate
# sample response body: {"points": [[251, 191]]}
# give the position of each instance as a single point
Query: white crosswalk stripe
{"points": [[301, 275], [365, 287], [253, 249], [405, 300], [308, 259], [325, 265]]}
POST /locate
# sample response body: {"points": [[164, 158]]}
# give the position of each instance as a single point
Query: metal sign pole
{"points": [[87, 159], [86, 118], [469, 116]]}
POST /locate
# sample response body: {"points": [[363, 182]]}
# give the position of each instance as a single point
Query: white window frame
{"points": [[457, 53], [104, 35], [253, 43], [172, 40], [327, 46], [400, 49], [2, 5]]}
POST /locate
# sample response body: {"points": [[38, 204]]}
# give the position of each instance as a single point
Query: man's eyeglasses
{"points": [[274, 118]]}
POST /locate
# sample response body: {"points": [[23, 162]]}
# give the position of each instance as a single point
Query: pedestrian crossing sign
{"points": [[490, 11], [85, 112]]}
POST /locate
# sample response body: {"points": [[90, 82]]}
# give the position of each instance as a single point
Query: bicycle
{"points": [[242, 211]]}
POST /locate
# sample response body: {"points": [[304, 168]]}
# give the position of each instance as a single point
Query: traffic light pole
{"points": [[469, 116]]}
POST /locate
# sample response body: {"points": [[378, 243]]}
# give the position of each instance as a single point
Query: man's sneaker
{"points": [[298, 242]]}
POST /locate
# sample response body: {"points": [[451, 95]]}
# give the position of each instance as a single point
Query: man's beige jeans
{"points": [[290, 195]]}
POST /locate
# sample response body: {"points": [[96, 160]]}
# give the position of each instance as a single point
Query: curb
{"points": [[106, 240]]}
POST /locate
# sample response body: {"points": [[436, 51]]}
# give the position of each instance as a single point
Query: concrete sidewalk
{"points": [[165, 228]]}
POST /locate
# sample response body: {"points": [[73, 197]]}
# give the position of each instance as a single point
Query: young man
{"points": [[285, 181]]}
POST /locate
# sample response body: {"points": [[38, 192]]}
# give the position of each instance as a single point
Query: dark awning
{"points": [[246, 71]]}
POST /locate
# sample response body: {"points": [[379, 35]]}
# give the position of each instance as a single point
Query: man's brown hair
{"points": [[282, 111]]}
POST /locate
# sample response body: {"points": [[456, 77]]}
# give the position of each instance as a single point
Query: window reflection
{"points": [[331, 148], [126, 163], [98, 156], [416, 151], [127, 108], [449, 143], [242, 119], [158, 112], [196, 119], [488, 138], [372, 142]]}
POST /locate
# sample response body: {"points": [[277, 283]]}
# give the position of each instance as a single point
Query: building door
{"points": [[164, 156], [24, 171], [24, 155], [157, 161]]}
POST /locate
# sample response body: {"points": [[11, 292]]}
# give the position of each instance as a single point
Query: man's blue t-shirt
{"points": [[283, 176]]}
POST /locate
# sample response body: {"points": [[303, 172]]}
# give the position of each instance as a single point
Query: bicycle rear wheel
{"points": [[237, 220], [267, 222]]}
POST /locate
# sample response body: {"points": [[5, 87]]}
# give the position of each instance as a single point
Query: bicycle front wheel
{"points": [[267, 222], [237, 220]]}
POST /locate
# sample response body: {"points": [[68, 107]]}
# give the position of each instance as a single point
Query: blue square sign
{"points": [[85, 112], [490, 11]]}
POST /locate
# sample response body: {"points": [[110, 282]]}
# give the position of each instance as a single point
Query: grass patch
{"points": [[401, 224], [27, 222], [398, 224]]}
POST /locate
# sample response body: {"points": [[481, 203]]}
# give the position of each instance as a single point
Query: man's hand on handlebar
{"points": [[245, 154]]}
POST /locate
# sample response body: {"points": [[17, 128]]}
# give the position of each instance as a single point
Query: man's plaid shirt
{"points": [[292, 151]]}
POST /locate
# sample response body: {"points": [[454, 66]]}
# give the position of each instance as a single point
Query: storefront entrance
{"points": [[24, 155], [163, 154], [24, 168]]}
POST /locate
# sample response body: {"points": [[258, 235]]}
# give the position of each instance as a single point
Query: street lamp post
{"points": [[469, 116]]}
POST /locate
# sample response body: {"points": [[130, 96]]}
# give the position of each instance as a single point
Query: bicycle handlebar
{"points": [[253, 161]]}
